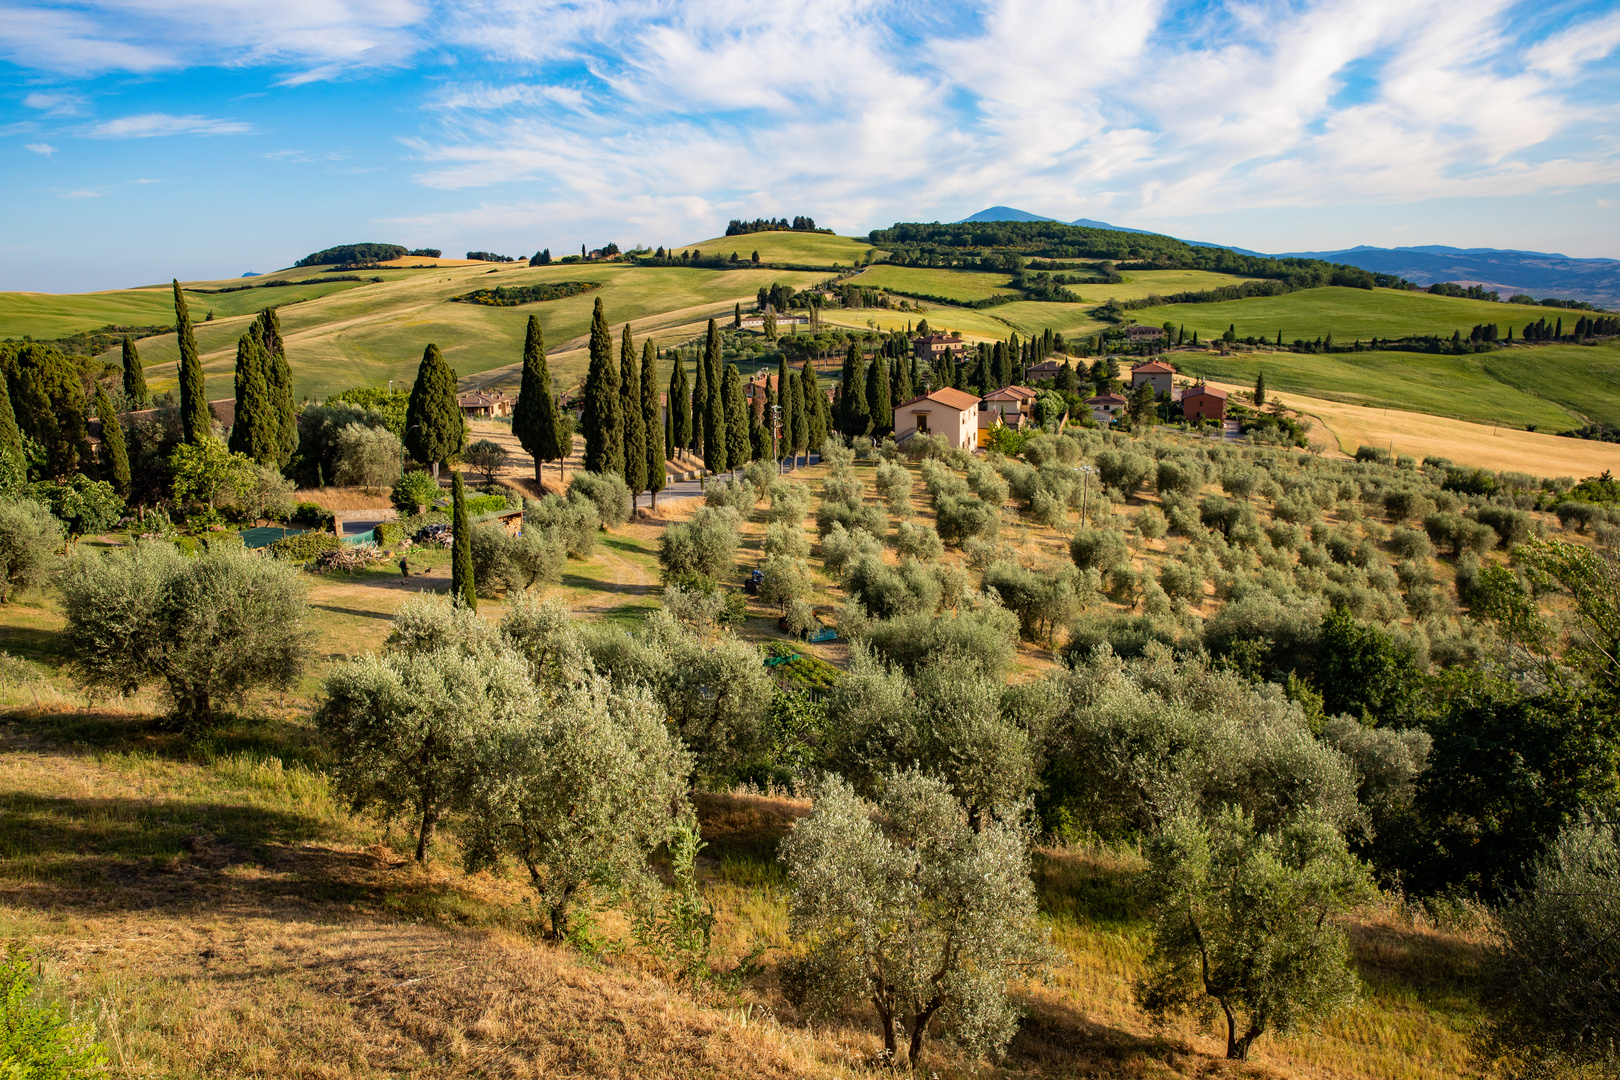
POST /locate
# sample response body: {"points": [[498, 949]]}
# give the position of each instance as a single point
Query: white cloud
{"points": [[81, 194], [1584, 43], [56, 104], [327, 37], [148, 125], [41, 148]]}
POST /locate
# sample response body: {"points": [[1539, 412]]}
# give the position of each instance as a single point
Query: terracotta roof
{"points": [[1153, 367], [1107, 399], [949, 396], [479, 397], [1201, 388], [1011, 393]]}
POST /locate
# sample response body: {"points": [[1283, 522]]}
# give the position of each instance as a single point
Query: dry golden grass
{"points": [[1477, 445], [345, 498]]}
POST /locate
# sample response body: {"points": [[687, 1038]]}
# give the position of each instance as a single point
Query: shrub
{"points": [[926, 447], [304, 546], [705, 546], [1410, 544], [1098, 549], [574, 520], [215, 626], [411, 492], [1124, 470], [784, 539], [961, 519], [918, 542], [893, 483], [1042, 601], [36, 1041], [981, 631], [388, 534], [1150, 522], [761, 474], [1459, 534], [487, 456], [984, 482], [314, 515], [29, 536], [852, 516], [840, 547], [787, 581], [367, 456], [1182, 581], [736, 495], [1512, 526], [1579, 516], [1040, 449], [790, 502], [858, 873], [1126, 636], [607, 492]]}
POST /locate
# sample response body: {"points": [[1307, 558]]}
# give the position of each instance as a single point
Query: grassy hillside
{"points": [[961, 285], [1345, 313], [808, 249], [1554, 388], [1140, 284]]}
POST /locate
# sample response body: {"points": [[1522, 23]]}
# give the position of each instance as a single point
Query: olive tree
{"points": [[487, 456], [213, 626], [787, 581], [893, 482], [901, 903], [1552, 1006], [368, 457], [28, 537], [579, 788], [1244, 922], [705, 546], [405, 727]]}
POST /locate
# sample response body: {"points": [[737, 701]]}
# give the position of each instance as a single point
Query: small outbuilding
{"points": [[1203, 402]]}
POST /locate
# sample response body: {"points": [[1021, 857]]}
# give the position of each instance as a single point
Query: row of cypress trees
{"points": [[624, 434], [266, 425]]}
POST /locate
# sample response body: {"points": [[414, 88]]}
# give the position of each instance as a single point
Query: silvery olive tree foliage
{"points": [[902, 903], [1244, 923], [213, 626]]}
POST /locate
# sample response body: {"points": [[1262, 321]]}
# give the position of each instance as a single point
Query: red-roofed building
{"points": [[1203, 402], [1012, 404], [484, 403], [932, 346], [1156, 373], [948, 412], [1105, 408]]}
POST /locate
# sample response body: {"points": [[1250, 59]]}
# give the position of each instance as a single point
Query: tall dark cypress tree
{"points": [[652, 423], [816, 414], [793, 419], [537, 418], [256, 430], [279, 381], [434, 429], [114, 452], [739, 447], [877, 397], [715, 435], [857, 409], [700, 405], [604, 423], [1259, 389], [11, 440], [844, 413], [135, 393], [1009, 360], [462, 586], [680, 406], [904, 389], [195, 420], [784, 399], [635, 426]]}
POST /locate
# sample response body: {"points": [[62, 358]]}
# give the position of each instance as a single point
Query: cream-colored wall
{"points": [[960, 429]]}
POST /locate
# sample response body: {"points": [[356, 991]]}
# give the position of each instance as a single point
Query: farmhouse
{"points": [[1012, 405], [1144, 333], [1155, 373], [484, 403], [948, 412], [1203, 402], [1105, 408], [931, 346], [1046, 369]]}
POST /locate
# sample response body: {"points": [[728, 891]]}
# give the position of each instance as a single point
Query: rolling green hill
{"points": [[806, 249], [1345, 313]]}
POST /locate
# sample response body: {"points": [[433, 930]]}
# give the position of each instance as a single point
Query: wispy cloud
{"points": [[80, 194], [41, 148], [149, 125], [56, 104]]}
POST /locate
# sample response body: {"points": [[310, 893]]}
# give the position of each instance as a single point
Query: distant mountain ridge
{"points": [[1507, 271]]}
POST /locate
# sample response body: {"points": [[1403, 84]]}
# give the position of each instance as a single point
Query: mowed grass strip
{"points": [[1345, 313], [960, 285]]}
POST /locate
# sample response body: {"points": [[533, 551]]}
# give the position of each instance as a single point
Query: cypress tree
{"points": [[739, 447], [11, 440], [462, 586], [114, 453], [657, 444], [635, 425], [604, 424], [794, 422], [905, 383], [736, 317], [700, 405], [1259, 389], [786, 399], [434, 429], [256, 430], [715, 435], [857, 409], [844, 412], [878, 399], [816, 412], [135, 393], [278, 380], [195, 420], [537, 418], [1279, 338], [680, 407], [48, 403]]}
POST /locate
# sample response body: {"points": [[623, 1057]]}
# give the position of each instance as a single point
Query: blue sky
{"points": [[144, 139]]}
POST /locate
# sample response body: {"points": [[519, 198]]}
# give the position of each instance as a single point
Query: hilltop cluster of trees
{"points": [[354, 253], [513, 295], [490, 256], [1146, 251], [800, 223]]}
